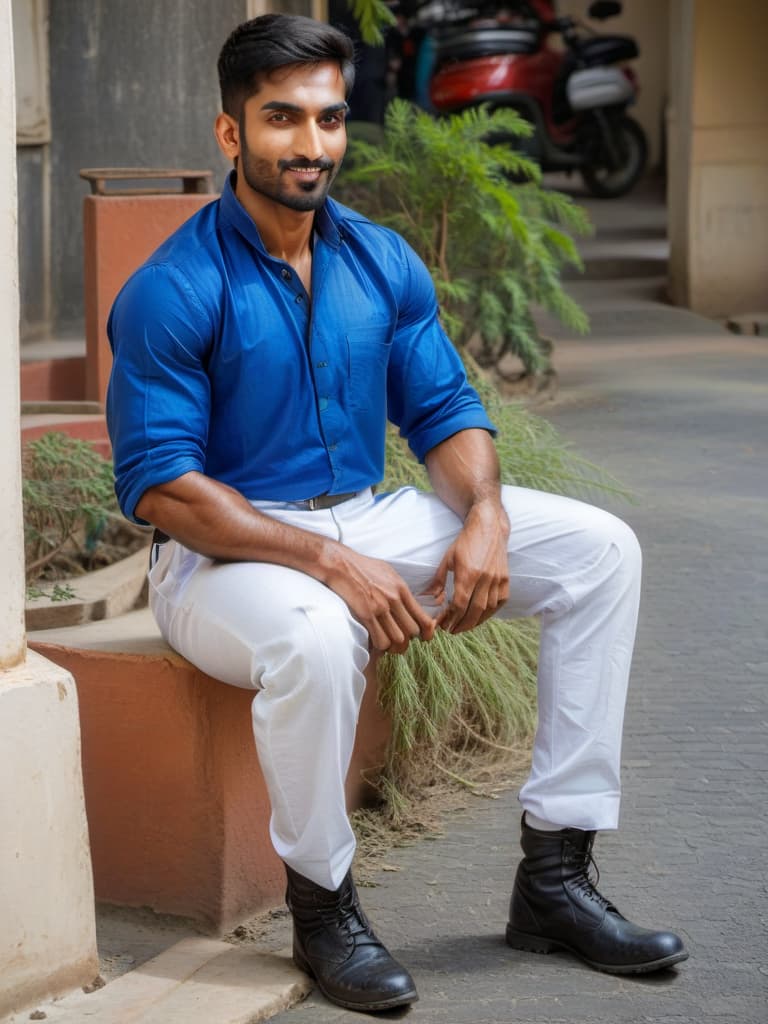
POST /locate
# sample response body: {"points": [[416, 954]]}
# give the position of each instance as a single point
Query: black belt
{"points": [[323, 501]]}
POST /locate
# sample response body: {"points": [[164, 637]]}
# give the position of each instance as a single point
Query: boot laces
{"points": [[347, 914], [585, 882]]}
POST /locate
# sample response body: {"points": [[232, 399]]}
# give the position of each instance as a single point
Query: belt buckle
{"points": [[312, 504]]}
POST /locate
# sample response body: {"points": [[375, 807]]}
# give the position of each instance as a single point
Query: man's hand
{"points": [[215, 520], [478, 561], [379, 599], [464, 471]]}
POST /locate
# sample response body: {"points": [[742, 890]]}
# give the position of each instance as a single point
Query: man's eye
{"points": [[278, 117], [332, 120]]}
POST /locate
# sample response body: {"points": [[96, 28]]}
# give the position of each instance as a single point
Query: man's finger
{"points": [[472, 614], [397, 639], [436, 586], [425, 623], [409, 626]]}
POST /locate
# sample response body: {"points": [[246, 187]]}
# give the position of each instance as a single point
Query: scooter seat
{"points": [[466, 43], [601, 50]]}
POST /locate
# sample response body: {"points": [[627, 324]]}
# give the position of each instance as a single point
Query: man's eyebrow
{"points": [[281, 105]]}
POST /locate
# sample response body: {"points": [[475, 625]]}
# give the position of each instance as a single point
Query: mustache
{"points": [[323, 164]]}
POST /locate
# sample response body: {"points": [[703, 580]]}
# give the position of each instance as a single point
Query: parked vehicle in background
{"points": [[572, 84]]}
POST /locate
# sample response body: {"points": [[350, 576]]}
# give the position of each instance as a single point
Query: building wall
{"points": [[720, 241], [132, 85], [646, 20]]}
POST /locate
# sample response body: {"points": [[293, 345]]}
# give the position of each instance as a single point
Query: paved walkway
{"points": [[678, 409]]}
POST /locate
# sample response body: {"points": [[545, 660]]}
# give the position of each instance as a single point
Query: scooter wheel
{"points": [[609, 181]]}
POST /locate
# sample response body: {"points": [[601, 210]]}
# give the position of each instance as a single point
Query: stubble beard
{"points": [[261, 177]]}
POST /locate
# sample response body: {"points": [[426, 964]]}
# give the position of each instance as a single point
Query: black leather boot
{"points": [[555, 905], [334, 943]]}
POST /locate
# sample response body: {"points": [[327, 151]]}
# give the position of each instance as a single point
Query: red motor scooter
{"points": [[576, 96]]}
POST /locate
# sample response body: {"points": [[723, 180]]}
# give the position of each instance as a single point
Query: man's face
{"points": [[292, 135]]}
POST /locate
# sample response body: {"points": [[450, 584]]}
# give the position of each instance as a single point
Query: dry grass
{"points": [[442, 790]]}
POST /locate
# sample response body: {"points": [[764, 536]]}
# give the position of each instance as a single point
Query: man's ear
{"points": [[227, 132]]}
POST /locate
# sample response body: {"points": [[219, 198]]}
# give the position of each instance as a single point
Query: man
{"points": [[258, 354]]}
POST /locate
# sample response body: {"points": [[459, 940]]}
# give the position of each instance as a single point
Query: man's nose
{"points": [[309, 143]]}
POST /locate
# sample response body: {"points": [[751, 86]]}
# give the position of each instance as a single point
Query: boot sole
{"points": [[404, 999], [540, 944]]}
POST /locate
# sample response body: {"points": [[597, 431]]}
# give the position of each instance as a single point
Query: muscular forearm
{"points": [[464, 471], [213, 519]]}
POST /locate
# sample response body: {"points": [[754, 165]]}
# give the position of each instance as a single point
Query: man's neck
{"points": [[286, 233]]}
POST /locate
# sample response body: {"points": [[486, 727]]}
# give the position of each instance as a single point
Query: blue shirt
{"points": [[223, 365]]}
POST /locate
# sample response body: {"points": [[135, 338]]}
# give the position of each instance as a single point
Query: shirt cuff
{"points": [[424, 441]]}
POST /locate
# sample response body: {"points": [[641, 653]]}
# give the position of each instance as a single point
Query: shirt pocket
{"points": [[368, 350]]}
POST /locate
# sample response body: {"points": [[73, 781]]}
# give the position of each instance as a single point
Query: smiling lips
{"points": [[307, 177], [303, 167]]}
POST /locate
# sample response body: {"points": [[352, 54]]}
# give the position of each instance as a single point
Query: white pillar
{"points": [[47, 925], [12, 590], [718, 157]]}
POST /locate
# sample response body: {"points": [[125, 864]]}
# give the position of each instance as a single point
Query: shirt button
{"points": [[299, 298], [332, 447], [321, 365], [285, 274], [323, 404]]}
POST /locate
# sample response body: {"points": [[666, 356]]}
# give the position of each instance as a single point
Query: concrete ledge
{"points": [[197, 981], [102, 594], [177, 806], [89, 427]]}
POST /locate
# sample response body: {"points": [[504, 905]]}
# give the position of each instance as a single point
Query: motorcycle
{"points": [[575, 96]]}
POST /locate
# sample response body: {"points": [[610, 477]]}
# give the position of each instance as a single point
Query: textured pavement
{"points": [[677, 408]]}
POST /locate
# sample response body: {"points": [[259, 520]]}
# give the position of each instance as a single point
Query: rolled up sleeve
{"points": [[158, 401]]}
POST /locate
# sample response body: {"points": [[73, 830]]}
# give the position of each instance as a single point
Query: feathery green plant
{"points": [[473, 208], [473, 691], [67, 492], [372, 17]]}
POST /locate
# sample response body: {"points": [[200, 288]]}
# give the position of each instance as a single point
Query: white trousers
{"points": [[284, 634]]}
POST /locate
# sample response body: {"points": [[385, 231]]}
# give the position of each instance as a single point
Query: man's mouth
{"points": [[307, 170], [308, 177]]}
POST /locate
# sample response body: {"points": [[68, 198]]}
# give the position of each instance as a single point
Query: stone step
{"points": [[102, 594], [196, 981]]}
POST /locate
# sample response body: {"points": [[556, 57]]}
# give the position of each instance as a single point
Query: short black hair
{"points": [[260, 46]]}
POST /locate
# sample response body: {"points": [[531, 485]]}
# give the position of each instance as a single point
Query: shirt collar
{"points": [[327, 219]]}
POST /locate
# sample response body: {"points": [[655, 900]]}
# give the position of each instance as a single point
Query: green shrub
{"points": [[495, 248], [68, 495], [373, 17]]}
